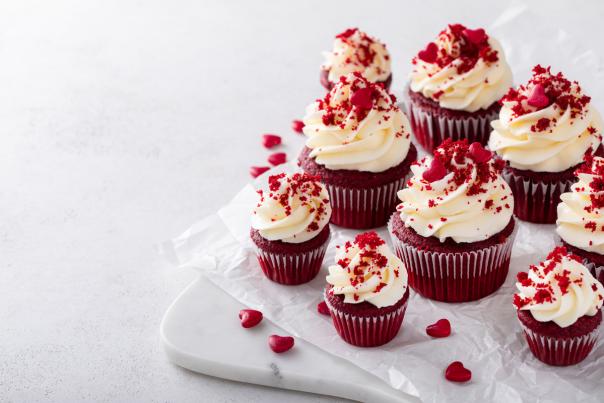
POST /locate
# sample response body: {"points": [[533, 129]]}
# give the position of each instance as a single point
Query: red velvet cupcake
{"points": [[543, 132], [358, 141], [356, 52], [455, 85], [290, 228], [559, 307], [367, 292], [454, 228]]}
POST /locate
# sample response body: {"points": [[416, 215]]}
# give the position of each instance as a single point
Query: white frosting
{"points": [[444, 209], [349, 54], [295, 209], [580, 223], [583, 296], [380, 140], [479, 88], [381, 286]]}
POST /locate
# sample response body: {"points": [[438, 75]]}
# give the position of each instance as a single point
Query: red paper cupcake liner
{"points": [[291, 268], [455, 276], [363, 208], [560, 351], [536, 201], [364, 331]]}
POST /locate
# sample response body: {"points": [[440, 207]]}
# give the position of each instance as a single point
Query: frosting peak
{"points": [[366, 270], [294, 209]]}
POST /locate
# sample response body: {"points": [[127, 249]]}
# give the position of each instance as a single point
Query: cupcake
{"points": [[543, 132], [454, 228], [356, 52], [454, 87], [358, 142], [290, 227], [559, 307], [367, 291], [580, 222]]}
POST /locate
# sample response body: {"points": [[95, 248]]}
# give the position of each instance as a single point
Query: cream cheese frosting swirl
{"points": [[294, 209], [581, 211], [366, 270], [547, 125], [560, 289], [357, 126], [458, 194], [355, 51], [463, 70]]}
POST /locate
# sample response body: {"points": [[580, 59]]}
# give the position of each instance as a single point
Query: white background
{"points": [[123, 122]]}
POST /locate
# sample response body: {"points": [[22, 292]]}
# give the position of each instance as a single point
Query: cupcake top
{"points": [[463, 69], [357, 126], [560, 289], [355, 51], [366, 270], [458, 194], [546, 125], [294, 209], [581, 211]]}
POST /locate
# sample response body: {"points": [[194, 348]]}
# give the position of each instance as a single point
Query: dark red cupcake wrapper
{"points": [[455, 277], [560, 351], [363, 331], [292, 268]]}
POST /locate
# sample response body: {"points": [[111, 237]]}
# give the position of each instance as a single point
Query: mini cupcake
{"points": [[290, 227], [543, 132], [580, 221], [358, 142], [559, 306], [455, 85], [454, 228], [367, 291], [355, 51]]}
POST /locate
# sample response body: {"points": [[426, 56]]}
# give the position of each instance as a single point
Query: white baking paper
{"points": [[486, 335]]}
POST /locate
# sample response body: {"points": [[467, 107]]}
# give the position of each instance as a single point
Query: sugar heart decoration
{"points": [[362, 98], [270, 140], [280, 344], [277, 158], [476, 36], [435, 172], [257, 171], [537, 98], [442, 328], [478, 153], [250, 317], [456, 372], [323, 309], [429, 54], [297, 126]]}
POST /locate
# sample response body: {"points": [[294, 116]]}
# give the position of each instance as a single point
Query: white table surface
{"points": [[121, 123]]}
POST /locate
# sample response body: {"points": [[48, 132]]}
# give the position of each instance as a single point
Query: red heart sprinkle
{"points": [[277, 158], [297, 126], [430, 54], [435, 172], [478, 153], [280, 344], [442, 328], [257, 171], [323, 309], [456, 372], [362, 98], [476, 36], [270, 140], [250, 317], [538, 98]]}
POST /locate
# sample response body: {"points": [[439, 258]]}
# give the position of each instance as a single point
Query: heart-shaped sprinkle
{"points": [[280, 344], [476, 36], [430, 54], [442, 328], [297, 126], [435, 172], [270, 140], [250, 317], [478, 153], [323, 309], [257, 171], [456, 372], [362, 98], [537, 98], [277, 158]]}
